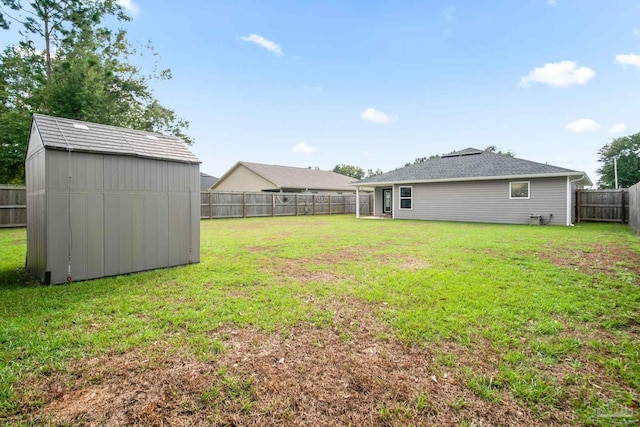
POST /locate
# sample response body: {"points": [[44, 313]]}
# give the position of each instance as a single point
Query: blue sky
{"points": [[378, 83]]}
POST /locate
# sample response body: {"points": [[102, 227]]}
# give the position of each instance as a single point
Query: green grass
{"points": [[489, 289]]}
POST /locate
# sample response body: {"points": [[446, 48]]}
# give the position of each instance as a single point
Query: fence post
{"points": [[578, 197], [313, 200], [329, 204], [210, 205], [273, 204], [296, 196], [371, 209], [244, 205], [624, 215], [344, 204]]}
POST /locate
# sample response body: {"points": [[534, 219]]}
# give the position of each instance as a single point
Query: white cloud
{"points": [[265, 43], [618, 128], [636, 31], [130, 6], [302, 148], [552, 3], [375, 116], [629, 59], [559, 74], [583, 125]]}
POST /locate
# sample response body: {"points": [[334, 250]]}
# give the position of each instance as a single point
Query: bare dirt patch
{"points": [[595, 259], [349, 374], [325, 267]]}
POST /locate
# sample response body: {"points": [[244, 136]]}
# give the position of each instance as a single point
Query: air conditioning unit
{"points": [[535, 219]]}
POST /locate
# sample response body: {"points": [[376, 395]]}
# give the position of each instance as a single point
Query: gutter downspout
{"points": [[569, 182]]}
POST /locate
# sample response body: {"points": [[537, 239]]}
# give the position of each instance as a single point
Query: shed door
{"points": [[387, 201]]}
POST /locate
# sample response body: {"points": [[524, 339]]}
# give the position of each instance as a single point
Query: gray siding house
{"points": [[103, 201], [472, 185]]}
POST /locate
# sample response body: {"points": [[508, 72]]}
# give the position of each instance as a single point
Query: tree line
{"points": [[70, 63]]}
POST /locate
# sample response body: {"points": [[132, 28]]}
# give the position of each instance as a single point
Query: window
{"points": [[519, 190], [406, 197]]}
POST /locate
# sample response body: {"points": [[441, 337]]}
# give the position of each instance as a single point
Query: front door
{"points": [[386, 201]]}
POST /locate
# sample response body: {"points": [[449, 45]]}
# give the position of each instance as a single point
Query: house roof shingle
{"points": [[469, 164], [206, 181], [288, 177], [76, 135]]}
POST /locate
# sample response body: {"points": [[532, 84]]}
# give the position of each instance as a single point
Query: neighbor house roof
{"points": [[75, 135], [206, 181], [468, 165], [298, 178]]}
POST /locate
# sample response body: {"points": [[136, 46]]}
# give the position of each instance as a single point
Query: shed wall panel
{"points": [[178, 223], [486, 201], [57, 235], [123, 217], [124, 234], [36, 214], [111, 234], [95, 235], [162, 231]]}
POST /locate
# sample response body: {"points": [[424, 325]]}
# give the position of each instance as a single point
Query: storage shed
{"points": [[103, 200]]}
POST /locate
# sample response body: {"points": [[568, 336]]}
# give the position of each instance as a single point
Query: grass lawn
{"points": [[336, 321]]}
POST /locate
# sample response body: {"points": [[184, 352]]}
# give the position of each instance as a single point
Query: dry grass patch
{"points": [[352, 373], [611, 259]]}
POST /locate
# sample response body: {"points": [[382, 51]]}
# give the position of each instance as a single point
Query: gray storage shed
{"points": [[103, 200]]}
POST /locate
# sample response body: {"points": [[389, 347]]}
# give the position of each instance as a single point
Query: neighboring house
{"points": [[206, 181], [103, 200], [478, 186], [252, 177]]}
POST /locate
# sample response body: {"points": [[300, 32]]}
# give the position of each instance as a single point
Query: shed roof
{"points": [[75, 135], [470, 164], [293, 177]]}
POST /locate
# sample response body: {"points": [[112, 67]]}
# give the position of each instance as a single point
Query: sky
{"points": [[377, 84]]}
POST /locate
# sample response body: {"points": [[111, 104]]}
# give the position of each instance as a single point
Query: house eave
{"points": [[583, 175]]}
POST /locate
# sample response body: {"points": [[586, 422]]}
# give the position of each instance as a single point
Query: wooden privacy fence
{"points": [[13, 206], [215, 204], [634, 207], [602, 205]]}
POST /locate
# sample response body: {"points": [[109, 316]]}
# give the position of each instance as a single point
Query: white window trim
{"points": [[400, 198], [528, 188]]}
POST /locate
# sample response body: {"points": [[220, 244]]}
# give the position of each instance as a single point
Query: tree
{"points": [[349, 170], [626, 151], [85, 72], [494, 149], [421, 160], [371, 173]]}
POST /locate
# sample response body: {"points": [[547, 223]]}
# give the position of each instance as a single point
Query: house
{"points": [[255, 177], [472, 185], [103, 200], [206, 181]]}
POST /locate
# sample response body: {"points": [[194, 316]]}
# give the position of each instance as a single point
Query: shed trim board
{"points": [[94, 214]]}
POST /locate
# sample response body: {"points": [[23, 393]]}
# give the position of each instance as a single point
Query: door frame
{"points": [[390, 207]]}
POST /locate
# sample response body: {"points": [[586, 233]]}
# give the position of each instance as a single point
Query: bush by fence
{"points": [[634, 207], [13, 206], [243, 205]]}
